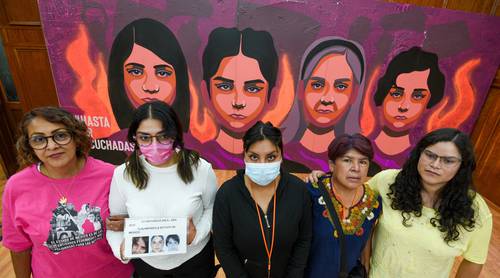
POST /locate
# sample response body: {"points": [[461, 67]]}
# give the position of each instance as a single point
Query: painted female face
{"points": [[238, 92], [147, 77], [406, 100], [438, 164], [328, 91]]}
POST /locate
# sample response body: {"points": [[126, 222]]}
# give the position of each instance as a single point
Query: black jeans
{"points": [[199, 266]]}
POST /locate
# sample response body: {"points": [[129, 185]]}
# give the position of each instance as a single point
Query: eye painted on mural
{"points": [[163, 71], [238, 92], [419, 94], [147, 77], [328, 91]]}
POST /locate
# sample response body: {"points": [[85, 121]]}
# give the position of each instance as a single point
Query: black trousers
{"points": [[199, 266]]}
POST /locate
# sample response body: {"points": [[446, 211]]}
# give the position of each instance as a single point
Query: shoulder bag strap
{"points": [[335, 219]]}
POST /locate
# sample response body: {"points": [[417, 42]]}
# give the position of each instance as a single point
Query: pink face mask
{"points": [[157, 153]]}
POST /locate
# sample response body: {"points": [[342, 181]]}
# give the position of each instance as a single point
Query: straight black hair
{"points": [[157, 38], [226, 42]]}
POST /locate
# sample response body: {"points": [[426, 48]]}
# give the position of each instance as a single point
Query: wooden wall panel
{"points": [[478, 6], [37, 85], [486, 138], [21, 12], [30, 67], [426, 3]]}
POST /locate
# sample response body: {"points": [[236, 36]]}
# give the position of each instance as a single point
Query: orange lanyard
{"points": [[269, 251]]}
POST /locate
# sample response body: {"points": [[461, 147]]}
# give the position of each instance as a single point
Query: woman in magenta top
{"points": [[49, 206]]}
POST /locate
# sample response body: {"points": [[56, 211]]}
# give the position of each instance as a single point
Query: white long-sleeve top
{"points": [[165, 195]]}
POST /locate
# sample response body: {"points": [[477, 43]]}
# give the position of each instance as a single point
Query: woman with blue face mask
{"points": [[262, 216], [160, 179]]}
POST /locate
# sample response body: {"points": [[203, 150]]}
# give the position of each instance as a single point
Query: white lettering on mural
{"points": [[112, 145], [94, 121]]}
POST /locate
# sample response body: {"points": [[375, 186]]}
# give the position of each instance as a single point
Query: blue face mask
{"points": [[262, 173]]}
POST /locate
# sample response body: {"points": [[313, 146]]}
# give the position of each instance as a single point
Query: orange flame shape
{"points": [[367, 114], [465, 99], [203, 129], [285, 95], [92, 99]]}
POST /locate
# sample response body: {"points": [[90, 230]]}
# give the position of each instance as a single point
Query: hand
{"points": [[191, 231], [314, 176], [122, 251], [116, 222]]}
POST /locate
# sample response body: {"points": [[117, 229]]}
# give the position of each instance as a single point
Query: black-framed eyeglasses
{"points": [[145, 139], [446, 161], [40, 142]]}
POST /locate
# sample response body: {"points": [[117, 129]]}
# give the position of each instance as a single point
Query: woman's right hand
{"points": [[314, 176], [116, 223]]}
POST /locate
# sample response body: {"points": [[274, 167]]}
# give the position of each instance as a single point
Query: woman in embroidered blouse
{"points": [[432, 214], [356, 205]]}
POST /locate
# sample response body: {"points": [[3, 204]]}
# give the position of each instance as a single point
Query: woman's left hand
{"points": [[191, 231]]}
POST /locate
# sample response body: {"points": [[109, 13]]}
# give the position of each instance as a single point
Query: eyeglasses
{"points": [[40, 142], [446, 161], [145, 139]]}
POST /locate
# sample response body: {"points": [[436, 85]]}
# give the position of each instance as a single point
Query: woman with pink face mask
{"points": [[161, 178]]}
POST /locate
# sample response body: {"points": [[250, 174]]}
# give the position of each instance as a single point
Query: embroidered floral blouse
{"points": [[324, 256]]}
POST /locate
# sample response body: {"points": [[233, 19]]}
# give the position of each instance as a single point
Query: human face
{"points": [[406, 100], [263, 151], [53, 156], [147, 77], [328, 91], [438, 164], [157, 244], [350, 170], [149, 131], [172, 245], [139, 247], [238, 92]]}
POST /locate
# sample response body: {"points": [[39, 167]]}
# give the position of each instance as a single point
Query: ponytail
{"points": [[135, 170], [187, 159]]}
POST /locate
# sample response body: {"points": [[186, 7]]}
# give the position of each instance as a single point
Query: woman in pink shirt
{"points": [[46, 204]]}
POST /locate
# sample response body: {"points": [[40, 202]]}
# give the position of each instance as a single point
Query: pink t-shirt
{"points": [[48, 216]]}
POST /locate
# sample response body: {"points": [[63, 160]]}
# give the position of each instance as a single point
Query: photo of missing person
{"points": [[140, 245], [172, 243], [157, 242]]}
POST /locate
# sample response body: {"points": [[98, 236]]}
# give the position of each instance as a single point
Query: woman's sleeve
{"points": [[116, 206], [477, 247], [14, 237], [300, 252], [208, 195], [223, 238]]}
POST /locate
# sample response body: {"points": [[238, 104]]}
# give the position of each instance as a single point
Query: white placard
{"points": [[148, 237]]}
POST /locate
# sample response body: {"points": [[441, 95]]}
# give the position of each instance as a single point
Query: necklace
{"points": [[344, 210], [63, 200]]}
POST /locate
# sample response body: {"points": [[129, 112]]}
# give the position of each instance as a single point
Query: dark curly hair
{"points": [[25, 154], [454, 206]]}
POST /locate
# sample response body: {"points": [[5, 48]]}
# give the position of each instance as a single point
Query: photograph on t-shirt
{"points": [[71, 228]]}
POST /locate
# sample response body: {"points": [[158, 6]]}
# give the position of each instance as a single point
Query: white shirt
{"points": [[165, 195]]}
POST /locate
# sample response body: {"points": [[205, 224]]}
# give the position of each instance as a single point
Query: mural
{"points": [[316, 69]]}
